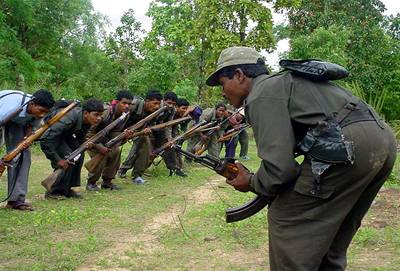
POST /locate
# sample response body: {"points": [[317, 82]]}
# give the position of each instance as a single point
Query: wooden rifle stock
{"points": [[204, 125], [228, 169], [52, 178], [170, 143], [6, 159], [170, 123], [201, 146], [92, 163], [119, 138], [232, 132]]}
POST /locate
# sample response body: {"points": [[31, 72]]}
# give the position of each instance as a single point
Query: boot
{"points": [[107, 184], [179, 172]]}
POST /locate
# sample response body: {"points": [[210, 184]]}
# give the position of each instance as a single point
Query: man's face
{"points": [[37, 111], [220, 112], [151, 105], [180, 110], [92, 118], [123, 105], [235, 90], [170, 103]]}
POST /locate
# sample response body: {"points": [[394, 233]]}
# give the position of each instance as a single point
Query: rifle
{"points": [[232, 132], [201, 128], [23, 145], [178, 138], [92, 163], [160, 126], [201, 146], [228, 169], [75, 155]]}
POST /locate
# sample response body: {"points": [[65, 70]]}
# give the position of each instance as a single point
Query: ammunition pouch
{"points": [[314, 69]]}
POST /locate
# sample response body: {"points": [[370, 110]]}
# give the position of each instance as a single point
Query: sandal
{"points": [[20, 206]]}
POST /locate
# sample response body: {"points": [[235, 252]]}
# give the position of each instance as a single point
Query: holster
{"points": [[325, 145]]}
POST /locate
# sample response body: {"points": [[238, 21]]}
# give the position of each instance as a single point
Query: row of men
{"points": [[85, 121]]}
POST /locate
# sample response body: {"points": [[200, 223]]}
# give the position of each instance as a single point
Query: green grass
{"points": [[64, 235]]}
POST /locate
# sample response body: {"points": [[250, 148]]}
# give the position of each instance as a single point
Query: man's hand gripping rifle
{"points": [[229, 169]]}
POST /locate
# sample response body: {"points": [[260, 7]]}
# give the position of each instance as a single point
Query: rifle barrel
{"points": [[116, 140]]}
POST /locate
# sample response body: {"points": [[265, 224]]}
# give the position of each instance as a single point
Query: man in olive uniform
{"points": [[64, 137], [108, 167], [175, 158], [315, 213], [18, 125], [164, 135], [139, 155], [210, 138]]}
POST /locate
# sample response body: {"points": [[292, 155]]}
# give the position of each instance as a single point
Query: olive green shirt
{"points": [[209, 115], [64, 136], [281, 108], [107, 118]]}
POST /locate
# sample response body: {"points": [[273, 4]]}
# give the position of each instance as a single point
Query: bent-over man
{"points": [[318, 205], [108, 167], [64, 137], [34, 108]]}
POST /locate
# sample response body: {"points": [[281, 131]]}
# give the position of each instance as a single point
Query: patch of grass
{"points": [[394, 179], [368, 237]]}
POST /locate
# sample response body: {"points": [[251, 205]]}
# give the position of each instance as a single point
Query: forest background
{"points": [[64, 45], [171, 223]]}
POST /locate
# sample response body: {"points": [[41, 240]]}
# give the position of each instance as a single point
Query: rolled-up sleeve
{"points": [[271, 124]]}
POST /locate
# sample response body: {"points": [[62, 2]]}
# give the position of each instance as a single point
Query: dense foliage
{"points": [[356, 35], [62, 45]]}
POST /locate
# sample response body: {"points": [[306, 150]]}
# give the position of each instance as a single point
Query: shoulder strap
{"points": [[2, 96], [23, 99]]}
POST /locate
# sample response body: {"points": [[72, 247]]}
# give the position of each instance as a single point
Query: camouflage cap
{"points": [[233, 56]]}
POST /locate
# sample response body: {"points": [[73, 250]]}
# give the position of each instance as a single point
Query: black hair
{"points": [[221, 104], [124, 94], [43, 98], [250, 70], [182, 102], [92, 105], [153, 95], [169, 95]]}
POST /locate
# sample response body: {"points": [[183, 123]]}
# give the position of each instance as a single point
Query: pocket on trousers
{"points": [[305, 185]]}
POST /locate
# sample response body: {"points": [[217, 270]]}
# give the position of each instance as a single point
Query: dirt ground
{"points": [[384, 211]]}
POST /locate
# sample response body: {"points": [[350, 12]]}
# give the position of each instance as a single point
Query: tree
{"points": [[54, 44], [123, 46], [351, 33], [197, 31]]}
